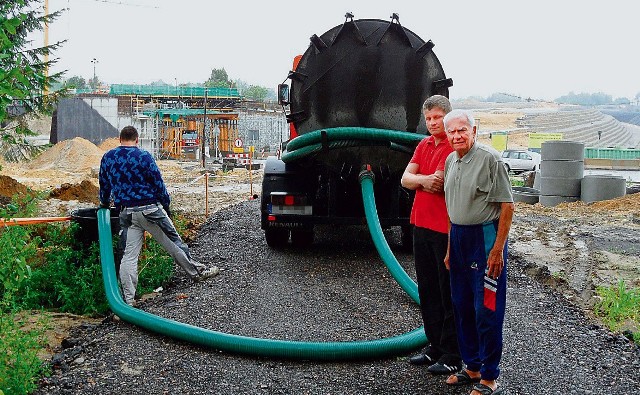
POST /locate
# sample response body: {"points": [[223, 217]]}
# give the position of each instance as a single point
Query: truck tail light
{"points": [[288, 200], [288, 203]]}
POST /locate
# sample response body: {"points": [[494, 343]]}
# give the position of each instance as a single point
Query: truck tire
{"points": [[302, 238], [276, 238]]}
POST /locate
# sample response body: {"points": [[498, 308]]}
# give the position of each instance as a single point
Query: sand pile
{"points": [[75, 155], [622, 206], [109, 144]]}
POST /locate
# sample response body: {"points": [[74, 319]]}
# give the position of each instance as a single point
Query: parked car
{"points": [[518, 161]]}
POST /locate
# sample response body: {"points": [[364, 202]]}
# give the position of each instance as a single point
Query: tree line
{"points": [[218, 79], [581, 99], [26, 87]]}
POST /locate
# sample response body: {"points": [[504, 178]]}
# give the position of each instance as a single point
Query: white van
{"points": [[518, 161]]}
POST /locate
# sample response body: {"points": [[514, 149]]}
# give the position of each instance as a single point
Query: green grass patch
{"points": [[516, 182], [619, 309], [20, 367], [46, 268]]}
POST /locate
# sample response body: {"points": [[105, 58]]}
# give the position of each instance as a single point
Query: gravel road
{"points": [[338, 290]]}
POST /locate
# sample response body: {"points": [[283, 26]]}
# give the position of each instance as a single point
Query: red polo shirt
{"points": [[429, 209]]}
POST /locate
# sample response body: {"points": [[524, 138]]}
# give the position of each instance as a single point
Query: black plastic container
{"points": [[87, 218]]}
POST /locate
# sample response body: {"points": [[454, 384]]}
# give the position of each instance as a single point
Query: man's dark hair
{"points": [[128, 133]]}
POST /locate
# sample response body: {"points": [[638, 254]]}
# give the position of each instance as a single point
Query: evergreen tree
{"points": [[76, 82], [24, 83], [219, 79]]}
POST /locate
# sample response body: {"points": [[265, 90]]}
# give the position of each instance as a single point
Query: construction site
{"points": [[308, 241], [186, 123]]}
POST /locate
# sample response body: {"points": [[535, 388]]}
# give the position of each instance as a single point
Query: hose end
{"points": [[366, 173]]}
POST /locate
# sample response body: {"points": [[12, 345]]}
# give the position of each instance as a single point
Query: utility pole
{"points": [[94, 61], [204, 128]]}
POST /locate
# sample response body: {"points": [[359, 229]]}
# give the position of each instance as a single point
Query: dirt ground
{"points": [[500, 120], [547, 237]]}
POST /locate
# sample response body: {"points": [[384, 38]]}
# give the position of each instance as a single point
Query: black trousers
{"points": [[434, 290]]}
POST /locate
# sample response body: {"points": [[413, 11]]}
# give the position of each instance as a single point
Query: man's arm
{"points": [[446, 257], [105, 187], [411, 179], [495, 262]]}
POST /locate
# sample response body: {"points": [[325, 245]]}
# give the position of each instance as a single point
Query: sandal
{"points": [[486, 390], [463, 378]]}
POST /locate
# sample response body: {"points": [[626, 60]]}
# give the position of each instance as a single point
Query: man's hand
{"points": [[433, 183], [166, 210], [495, 263]]}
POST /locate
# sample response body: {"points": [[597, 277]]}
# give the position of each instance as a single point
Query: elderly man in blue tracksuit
{"points": [[480, 207], [131, 177]]}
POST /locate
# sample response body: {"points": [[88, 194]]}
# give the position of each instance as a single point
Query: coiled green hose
{"points": [[343, 137], [327, 351], [349, 132]]}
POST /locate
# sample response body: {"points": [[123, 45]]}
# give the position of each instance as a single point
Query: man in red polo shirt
{"points": [[425, 175]]}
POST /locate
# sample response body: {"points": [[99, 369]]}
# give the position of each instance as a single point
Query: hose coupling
{"points": [[366, 173]]}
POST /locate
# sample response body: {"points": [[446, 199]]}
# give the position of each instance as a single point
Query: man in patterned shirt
{"points": [[131, 177]]}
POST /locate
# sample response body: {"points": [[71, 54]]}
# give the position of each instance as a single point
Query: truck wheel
{"points": [[406, 238], [302, 238], [276, 238]]}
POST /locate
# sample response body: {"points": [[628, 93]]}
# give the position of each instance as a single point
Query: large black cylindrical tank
{"points": [[365, 73]]}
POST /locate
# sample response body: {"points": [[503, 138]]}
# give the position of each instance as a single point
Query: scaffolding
{"points": [[179, 133], [147, 133], [263, 130], [168, 117]]}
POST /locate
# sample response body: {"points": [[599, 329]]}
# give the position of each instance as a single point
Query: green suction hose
{"points": [[342, 137], [346, 133], [371, 213], [327, 351], [290, 156]]}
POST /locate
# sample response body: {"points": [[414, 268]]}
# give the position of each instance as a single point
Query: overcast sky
{"points": [[541, 49]]}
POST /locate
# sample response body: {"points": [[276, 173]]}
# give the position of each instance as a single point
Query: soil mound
{"points": [[10, 187], [75, 155], [86, 191], [109, 144]]}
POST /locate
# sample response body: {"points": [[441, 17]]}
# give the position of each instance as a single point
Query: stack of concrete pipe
{"points": [[525, 195], [561, 172]]}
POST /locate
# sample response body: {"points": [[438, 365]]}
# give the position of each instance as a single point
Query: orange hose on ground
{"points": [[31, 221]]}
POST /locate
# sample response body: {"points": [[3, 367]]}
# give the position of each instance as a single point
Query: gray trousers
{"points": [[134, 221]]}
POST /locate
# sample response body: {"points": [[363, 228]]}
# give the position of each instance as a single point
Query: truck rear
{"points": [[355, 102]]}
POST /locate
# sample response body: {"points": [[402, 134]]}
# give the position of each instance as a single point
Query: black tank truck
{"points": [[355, 100]]}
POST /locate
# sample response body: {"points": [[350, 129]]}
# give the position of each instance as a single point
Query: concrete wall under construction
{"points": [[94, 119]]}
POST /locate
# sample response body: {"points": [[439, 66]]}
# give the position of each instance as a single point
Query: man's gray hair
{"points": [[459, 114], [437, 101]]}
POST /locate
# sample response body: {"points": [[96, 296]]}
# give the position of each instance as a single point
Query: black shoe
{"points": [[422, 359], [439, 368]]}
